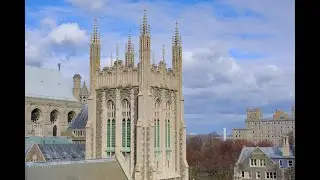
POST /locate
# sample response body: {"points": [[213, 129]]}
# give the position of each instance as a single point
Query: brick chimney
{"points": [[285, 146]]}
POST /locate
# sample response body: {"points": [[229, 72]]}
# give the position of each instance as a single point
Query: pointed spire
{"points": [[153, 58], [145, 28], [111, 60], [95, 35], [177, 37], [163, 53], [129, 47], [117, 52]]}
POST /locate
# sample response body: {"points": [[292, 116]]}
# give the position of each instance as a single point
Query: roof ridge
{"points": [[44, 68]]}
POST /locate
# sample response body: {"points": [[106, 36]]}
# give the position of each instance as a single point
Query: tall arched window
{"points": [[157, 124], [111, 125], [54, 130], [126, 123], [167, 125]]}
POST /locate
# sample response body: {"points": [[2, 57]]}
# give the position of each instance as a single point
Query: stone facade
{"points": [[50, 104], [273, 129], [135, 112]]}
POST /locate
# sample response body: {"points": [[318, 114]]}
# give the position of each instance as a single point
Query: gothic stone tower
{"points": [[136, 111]]}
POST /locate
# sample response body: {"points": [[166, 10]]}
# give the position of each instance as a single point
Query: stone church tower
{"points": [[135, 112]]}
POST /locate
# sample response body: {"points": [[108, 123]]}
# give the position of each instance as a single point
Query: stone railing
{"points": [[35, 129]]}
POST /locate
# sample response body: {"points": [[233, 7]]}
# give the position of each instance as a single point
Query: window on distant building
{"points": [[262, 162], [253, 162], [280, 163], [249, 174], [271, 175], [274, 175], [257, 175], [290, 163], [242, 173]]}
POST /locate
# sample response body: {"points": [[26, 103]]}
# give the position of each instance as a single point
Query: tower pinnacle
{"points": [[145, 28], [153, 60], [176, 38], [111, 60], [117, 52], [163, 54], [129, 47], [95, 35]]}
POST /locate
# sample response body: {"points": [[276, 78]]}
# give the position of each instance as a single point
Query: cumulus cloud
{"points": [[42, 45], [218, 86]]}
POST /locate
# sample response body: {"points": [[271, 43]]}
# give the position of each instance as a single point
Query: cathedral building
{"points": [[136, 111], [50, 103]]}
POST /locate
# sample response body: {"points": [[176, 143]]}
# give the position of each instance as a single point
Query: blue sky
{"points": [[237, 53]]}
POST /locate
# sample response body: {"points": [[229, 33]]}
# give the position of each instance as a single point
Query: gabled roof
{"points": [[81, 119], [63, 152], [47, 83], [272, 152]]}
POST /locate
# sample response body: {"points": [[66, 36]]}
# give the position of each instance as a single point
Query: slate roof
{"points": [[37, 164], [274, 152], [81, 119], [27, 147], [48, 84], [63, 152]]}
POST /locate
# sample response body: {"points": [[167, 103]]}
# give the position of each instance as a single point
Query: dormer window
{"points": [[280, 164]]}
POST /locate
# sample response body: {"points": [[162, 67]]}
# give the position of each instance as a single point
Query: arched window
{"points": [[111, 124], [123, 133], [157, 123], [54, 130], [71, 116], [54, 115], [126, 125], [167, 124], [35, 115]]}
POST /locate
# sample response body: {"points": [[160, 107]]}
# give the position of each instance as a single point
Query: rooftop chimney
{"points": [[285, 146]]}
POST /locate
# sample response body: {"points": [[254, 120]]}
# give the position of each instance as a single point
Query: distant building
{"points": [[50, 101], [271, 129], [265, 162], [224, 134]]}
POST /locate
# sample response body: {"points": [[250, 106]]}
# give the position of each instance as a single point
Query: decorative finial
{"points": [[163, 53], [111, 60], [117, 52]]}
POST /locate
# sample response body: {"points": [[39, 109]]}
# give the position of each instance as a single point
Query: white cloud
{"points": [[68, 33], [215, 84]]}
